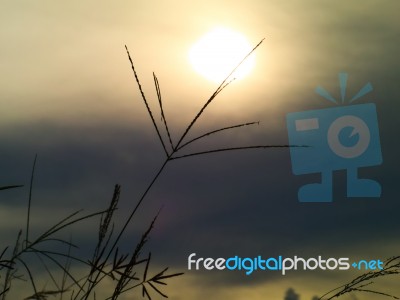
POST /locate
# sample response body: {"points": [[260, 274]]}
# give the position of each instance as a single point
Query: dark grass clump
{"points": [[123, 270], [365, 282]]}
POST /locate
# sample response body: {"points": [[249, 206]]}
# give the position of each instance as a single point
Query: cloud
{"points": [[69, 96]]}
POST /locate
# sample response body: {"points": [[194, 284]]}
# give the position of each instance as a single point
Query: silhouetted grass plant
{"points": [[127, 271], [365, 282], [121, 269], [106, 262]]}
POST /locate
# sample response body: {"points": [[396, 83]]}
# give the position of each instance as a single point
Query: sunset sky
{"points": [[67, 94]]}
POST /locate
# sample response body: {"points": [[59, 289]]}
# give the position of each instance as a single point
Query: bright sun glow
{"points": [[216, 54]]}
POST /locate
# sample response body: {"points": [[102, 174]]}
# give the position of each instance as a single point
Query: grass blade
{"points": [[215, 131], [162, 109], [10, 187], [29, 274], [30, 201], [145, 101], [234, 149], [217, 91]]}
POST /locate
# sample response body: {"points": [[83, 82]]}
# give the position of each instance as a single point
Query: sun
{"points": [[218, 52]]}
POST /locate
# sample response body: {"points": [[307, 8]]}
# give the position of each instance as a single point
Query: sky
{"points": [[68, 94]]}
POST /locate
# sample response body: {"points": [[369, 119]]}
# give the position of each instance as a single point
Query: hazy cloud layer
{"points": [[67, 94]]}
